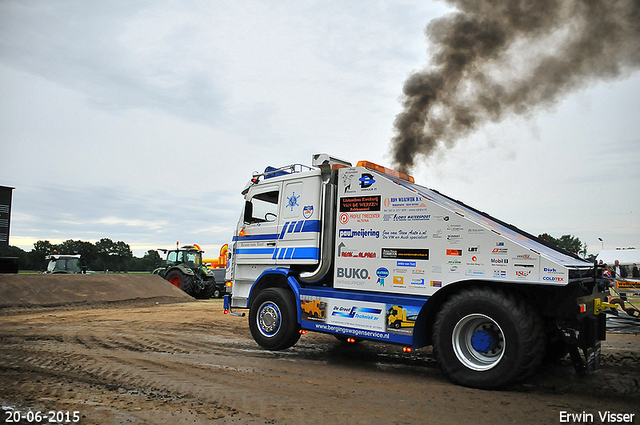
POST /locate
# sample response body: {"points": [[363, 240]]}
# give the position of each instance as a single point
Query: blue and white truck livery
{"points": [[357, 245]]}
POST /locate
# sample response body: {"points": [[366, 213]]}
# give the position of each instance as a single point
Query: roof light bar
{"points": [[385, 170]]}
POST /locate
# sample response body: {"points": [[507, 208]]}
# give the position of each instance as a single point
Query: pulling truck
{"points": [[490, 298]]}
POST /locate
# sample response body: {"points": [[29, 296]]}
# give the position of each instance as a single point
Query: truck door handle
{"points": [[271, 244]]}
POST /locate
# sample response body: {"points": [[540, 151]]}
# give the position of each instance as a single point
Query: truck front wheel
{"points": [[486, 338], [272, 319]]}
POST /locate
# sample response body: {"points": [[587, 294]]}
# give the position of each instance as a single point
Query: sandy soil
{"points": [[146, 362]]}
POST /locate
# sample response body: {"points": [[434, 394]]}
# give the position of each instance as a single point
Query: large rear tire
{"points": [[486, 338], [273, 319], [208, 290], [180, 280]]}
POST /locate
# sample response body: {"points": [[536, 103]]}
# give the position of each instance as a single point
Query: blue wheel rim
{"points": [[269, 319]]}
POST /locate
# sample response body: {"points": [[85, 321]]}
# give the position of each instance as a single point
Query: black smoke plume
{"points": [[492, 58]]}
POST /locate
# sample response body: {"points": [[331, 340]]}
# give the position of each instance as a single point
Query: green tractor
{"points": [[184, 269], [65, 264]]}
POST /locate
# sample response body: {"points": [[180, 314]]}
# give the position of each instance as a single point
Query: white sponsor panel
{"points": [[356, 314]]}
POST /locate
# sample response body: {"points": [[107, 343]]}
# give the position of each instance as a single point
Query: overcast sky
{"points": [[142, 121]]}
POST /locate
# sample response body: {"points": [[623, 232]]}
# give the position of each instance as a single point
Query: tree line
{"points": [[117, 256], [104, 255]]}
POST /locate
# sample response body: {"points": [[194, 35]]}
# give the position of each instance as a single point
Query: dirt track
{"points": [[156, 360]]}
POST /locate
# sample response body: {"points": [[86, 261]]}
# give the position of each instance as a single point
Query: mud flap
{"points": [[593, 330], [590, 362]]}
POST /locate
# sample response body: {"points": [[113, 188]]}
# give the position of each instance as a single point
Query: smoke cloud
{"points": [[495, 58]]}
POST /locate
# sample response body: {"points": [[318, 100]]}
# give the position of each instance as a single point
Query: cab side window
{"points": [[262, 207]]}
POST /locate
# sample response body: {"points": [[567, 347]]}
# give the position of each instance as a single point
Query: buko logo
{"points": [[352, 273]]}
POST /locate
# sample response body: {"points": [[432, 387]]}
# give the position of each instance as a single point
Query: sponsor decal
{"points": [[437, 234], [455, 238], [398, 280], [358, 217], [436, 269], [346, 181], [400, 271], [455, 228], [418, 271], [475, 231], [417, 282], [404, 235], [499, 261], [442, 217], [405, 202], [292, 201], [559, 275], [523, 273], [366, 180], [454, 252], [307, 211], [436, 283], [406, 253], [406, 264], [499, 243], [500, 273], [500, 251], [406, 217], [526, 257], [344, 252], [352, 273], [382, 274], [356, 312], [475, 261], [473, 249], [553, 278], [474, 272], [361, 233], [360, 203]]}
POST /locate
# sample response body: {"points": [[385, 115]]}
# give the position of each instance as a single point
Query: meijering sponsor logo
{"points": [[353, 273], [362, 233]]}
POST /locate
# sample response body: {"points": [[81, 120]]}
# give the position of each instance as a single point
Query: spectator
{"points": [[619, 271], [634, 271]]}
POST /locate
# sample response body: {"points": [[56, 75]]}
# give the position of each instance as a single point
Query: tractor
{"points": [[185, 270], [66, 264]]}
